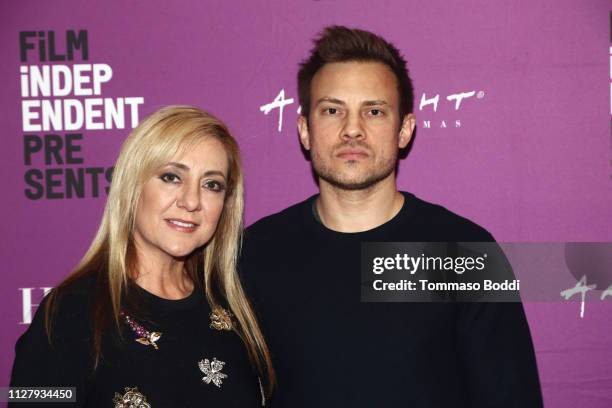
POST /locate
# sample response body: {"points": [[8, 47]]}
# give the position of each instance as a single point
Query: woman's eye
{"points": [[169, 178], [214, 186]]}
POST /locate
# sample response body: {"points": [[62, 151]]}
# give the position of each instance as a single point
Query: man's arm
{"points": [[496, 352]]}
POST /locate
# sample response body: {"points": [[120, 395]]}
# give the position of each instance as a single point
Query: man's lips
{"points": [[181, 225], [352, 154]]}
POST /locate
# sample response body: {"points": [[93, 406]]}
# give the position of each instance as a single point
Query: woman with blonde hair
{"points": [[154, 315]]}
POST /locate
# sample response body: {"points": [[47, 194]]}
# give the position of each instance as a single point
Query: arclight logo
{"points": [[428, 103], [28, 308], [455, 99]]}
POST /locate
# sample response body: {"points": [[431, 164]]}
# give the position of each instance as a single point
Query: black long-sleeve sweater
{"points": [[332, 350], [169, 376]]}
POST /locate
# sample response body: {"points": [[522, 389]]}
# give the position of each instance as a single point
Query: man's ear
{"points": [[406, 130], [302, 124]]}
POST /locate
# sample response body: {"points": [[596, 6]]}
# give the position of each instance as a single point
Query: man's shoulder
{"points": [[440, 220], [287, 220], [433, 221]]}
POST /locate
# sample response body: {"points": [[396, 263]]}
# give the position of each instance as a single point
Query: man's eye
{"points": [[330, 111], [376, 112], [169, 178], [214, 186]]}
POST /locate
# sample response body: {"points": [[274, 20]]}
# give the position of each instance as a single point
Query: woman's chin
{"points": [[180, 254]]}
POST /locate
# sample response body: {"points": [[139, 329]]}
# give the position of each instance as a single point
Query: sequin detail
{"points": [[144, 336], [221, 319], [131, 399], [212, 371]]}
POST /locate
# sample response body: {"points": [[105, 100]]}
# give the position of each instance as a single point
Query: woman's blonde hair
{"points": [[111, 257]]}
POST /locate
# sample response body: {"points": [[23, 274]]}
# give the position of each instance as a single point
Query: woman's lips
{"points": [[181, 225]]}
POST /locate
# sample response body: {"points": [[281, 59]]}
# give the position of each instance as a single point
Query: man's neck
{"points": [[358, 210]]}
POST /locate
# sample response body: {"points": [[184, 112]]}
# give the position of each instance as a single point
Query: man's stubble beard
{"points": [[366, 181]]}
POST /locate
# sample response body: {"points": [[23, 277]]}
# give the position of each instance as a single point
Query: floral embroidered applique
{"points": [[212, 369]]}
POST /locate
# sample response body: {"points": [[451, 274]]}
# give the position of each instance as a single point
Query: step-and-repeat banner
{"points": [[513, 105]]}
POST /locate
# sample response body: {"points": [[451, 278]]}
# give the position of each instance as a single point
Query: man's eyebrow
{"points": [[330, 100], [377, 102]]}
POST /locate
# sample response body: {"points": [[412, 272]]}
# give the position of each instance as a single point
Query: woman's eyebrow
{"points": [[206, 174], [178, 165], [214, 173]]}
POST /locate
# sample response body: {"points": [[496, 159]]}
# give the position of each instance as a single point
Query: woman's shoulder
{"points": [[74, 298], [76, 292], [64, 314], [55, 350]]}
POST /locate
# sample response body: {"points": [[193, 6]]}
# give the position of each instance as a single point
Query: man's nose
{"points": [[353, 127]]}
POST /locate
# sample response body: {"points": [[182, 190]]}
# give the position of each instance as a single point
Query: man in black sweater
{"points": [[302, 265]]}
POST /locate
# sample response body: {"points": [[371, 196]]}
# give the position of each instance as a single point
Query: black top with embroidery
{"points": [[169, 376], [332, 350]]}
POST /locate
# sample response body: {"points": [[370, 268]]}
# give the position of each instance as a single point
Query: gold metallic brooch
{"points": [[131, 399], [221, 319]]}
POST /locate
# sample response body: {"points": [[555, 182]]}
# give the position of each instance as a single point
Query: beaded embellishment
{"points": [[131, 399], [144, 336], [212, 369], [221, 319]]}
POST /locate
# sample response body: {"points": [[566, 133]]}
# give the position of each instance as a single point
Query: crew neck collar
{"points": [[313, 222], [162, 304]]}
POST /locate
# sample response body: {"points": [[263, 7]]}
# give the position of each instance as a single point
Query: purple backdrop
{"points": [[527, 153]]}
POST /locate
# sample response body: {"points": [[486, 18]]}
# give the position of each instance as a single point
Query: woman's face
{"points": [[180, 205]]}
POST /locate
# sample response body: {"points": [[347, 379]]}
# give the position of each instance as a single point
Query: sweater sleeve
{"points": [[495, 349], [497, 356], [65, 361]]}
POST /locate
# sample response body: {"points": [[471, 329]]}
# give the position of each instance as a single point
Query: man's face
{"points": [[354, 130]]}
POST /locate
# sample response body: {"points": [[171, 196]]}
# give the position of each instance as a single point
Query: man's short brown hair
{"points": [[342, 44]]}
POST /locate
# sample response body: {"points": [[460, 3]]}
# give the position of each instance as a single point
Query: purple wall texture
{"points": [[526, 152]]}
